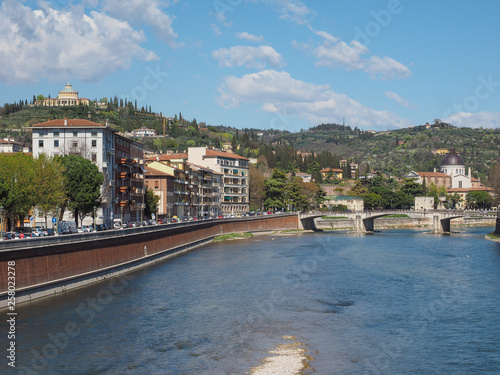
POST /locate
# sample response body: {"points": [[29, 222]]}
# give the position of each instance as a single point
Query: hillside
{"points": [[394, 152]]}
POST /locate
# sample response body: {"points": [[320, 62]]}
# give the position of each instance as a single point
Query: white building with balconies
{"points": [[234, 176]]}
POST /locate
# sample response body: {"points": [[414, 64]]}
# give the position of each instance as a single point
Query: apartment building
{"points": [[233, 170], [98, 143]]}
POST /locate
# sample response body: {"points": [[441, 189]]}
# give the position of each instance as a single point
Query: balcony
{"points": [[178, 181], [123, 203], [123, 189], [123, 175], [136, 190], [138, 176], [111, 183]]}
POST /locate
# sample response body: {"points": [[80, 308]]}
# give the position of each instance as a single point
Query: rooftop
{"points": [[68, 122]]}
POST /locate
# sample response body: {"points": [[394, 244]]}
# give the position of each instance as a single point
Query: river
{"points": [[395, 302]]}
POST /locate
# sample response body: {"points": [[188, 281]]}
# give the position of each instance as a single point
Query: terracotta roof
{"points": [[164, 157], [71, 122], [466, 190], [155, 172], [3, 141], [213, 154], [432, 174], [326, 170]]}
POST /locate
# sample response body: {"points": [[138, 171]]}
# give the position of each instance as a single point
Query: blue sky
{"points": [[284, 64]]}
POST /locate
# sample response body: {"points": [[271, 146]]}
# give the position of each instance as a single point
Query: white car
{"points": [[37, 232]]}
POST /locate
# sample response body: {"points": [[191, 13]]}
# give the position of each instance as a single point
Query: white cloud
{"points": [[385, 68], [486, 120], [216, 30], [393, 96], [341, 54], [55, 44], [278, 92], [144, 12], [250, 37], [337, 53], [293, 10], [251, 57]]}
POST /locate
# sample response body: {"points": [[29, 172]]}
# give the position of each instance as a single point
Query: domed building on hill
{"points": [[453, 175], [67, 97]]}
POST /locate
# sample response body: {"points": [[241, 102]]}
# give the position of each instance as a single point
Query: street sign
{"points": [[153, 216], [32, 218], [54, 220]]}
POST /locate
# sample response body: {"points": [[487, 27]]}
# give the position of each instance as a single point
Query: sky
{"points": [[282, 64]]}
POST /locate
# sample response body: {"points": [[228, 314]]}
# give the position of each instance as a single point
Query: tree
{"points": [[151, 200], [17, 192], [82, 184], [294, 196], [478, 199], [372, 200], [48, 179], [256, 187], [275, 190], [494, 181]]}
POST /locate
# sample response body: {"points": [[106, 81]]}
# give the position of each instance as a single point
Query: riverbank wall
{"points": [[48, 265], [404, 222]]}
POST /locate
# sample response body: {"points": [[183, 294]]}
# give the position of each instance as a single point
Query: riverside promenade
{"points": [[49, 265]]}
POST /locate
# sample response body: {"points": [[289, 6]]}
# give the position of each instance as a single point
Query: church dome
{"points": [[452, 158]]}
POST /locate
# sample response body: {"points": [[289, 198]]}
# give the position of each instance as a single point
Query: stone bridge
{"points": [[363, 222]]}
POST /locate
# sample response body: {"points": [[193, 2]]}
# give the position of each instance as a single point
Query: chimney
{"points": [[65, 121], [434, 169]]}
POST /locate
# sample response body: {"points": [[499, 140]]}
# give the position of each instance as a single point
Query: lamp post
{"points": [[121, 211], [56, 231], [94, 217]]}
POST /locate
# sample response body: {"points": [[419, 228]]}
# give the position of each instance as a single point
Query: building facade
{"points": [[233, 169], [66, 97], [97, 143]]}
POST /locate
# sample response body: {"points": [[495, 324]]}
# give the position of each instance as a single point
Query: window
{"points": [[40, 143], [56, 134], [93, 133], [459, 184], [75, 133], [94, 143], [56, 143], [157, 184], [75, 144], [94, 158]]}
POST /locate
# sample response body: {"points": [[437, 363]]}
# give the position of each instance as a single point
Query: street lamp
{"points": [[121, 211], [94, 217], [56, 231]]}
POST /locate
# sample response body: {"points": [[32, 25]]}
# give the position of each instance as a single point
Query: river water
{"points": [[396, 302]]}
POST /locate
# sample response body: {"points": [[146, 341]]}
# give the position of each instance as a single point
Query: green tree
{"points": [[275, 190], [48, 179], [82, 184], [151, 200], [295, 199], [17, 191], [372, 200], [479, 200]]}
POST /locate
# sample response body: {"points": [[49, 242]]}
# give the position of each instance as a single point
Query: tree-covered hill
{"points": [[393, 152]]}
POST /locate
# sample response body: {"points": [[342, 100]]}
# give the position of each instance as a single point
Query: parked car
{"points": [[9, 236], [38, 232], [29, 235], [48, 232]]}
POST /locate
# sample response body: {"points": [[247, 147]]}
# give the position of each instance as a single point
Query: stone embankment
{"points": [[48, 265], [402, 222]]}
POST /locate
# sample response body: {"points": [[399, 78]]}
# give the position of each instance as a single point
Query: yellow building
{"points": [[332, 173]]}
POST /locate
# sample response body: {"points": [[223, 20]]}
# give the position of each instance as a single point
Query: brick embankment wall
{"points": [[59, 260]]}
